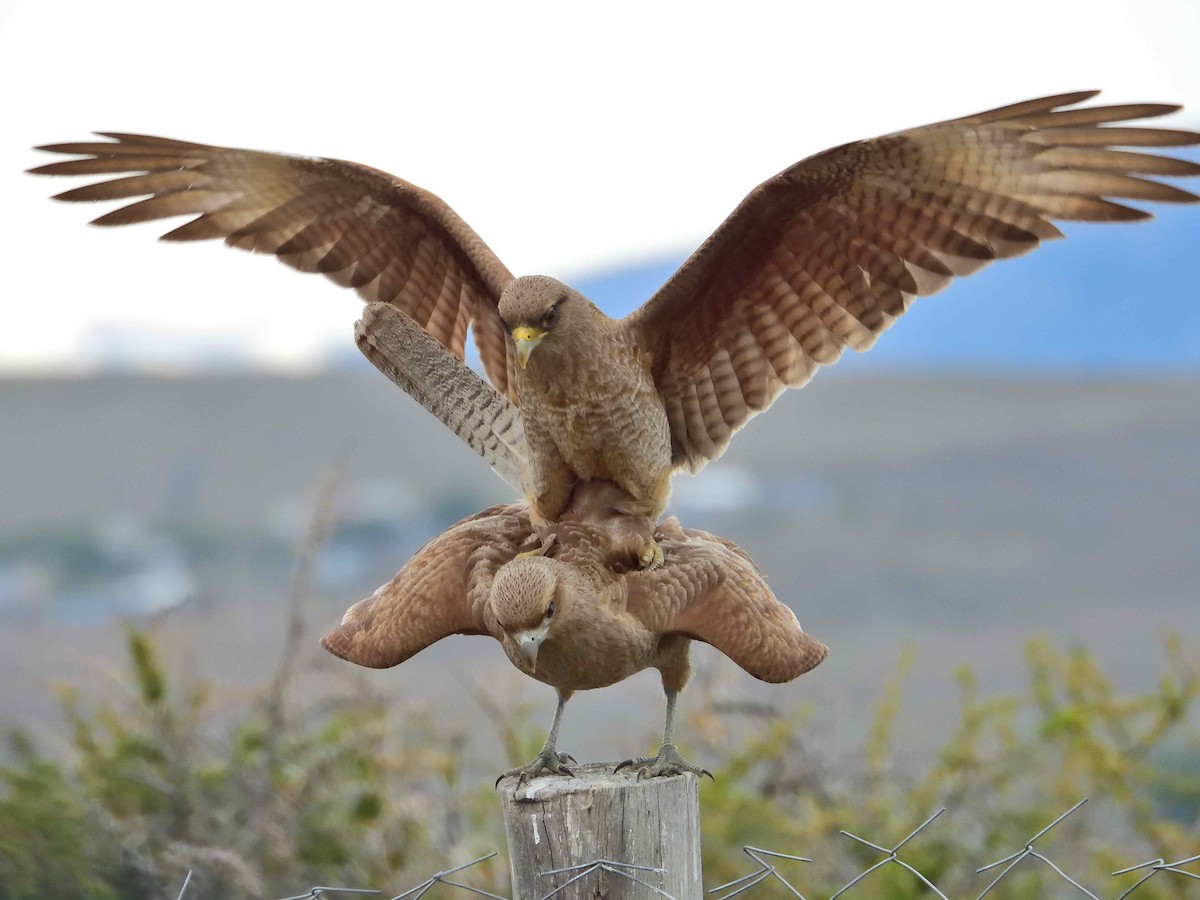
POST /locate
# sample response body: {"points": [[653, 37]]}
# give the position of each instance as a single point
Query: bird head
{"points": [[537, 310], [528, 597]]}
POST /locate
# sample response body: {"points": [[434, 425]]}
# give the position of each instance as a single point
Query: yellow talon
{"points": [[546, 544], [652, 556]]}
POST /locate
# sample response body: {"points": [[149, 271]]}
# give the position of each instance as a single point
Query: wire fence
{"points": [[892, 856], [767, 870]]}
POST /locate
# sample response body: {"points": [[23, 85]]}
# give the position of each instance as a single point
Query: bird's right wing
{"points": [[831, 251], [439, 592], [710, 590], [444, 385], [389, 240]]}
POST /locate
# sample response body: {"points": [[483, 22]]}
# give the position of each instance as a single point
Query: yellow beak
{"points": [[526, 337]]}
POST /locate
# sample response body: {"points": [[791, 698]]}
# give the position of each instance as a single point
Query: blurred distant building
{"points": [[136, 572], [375, 526]]}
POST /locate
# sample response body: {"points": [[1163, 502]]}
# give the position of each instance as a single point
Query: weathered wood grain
{"points": [[554, 822]]}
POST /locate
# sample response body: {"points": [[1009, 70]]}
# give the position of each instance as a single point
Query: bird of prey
{"points": [[823, 256], [567, 619]]}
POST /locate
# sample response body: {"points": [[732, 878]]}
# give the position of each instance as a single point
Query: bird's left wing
{"points": [[462, 401], [710, 590], [389, 240], [439, 592], [827, 254]]}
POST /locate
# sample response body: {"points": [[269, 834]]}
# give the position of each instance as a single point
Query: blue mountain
{"points": [[1108, 298]]}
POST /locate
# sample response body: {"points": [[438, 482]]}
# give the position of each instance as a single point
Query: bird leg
{"points": [[629, 523], [548, 761], [650, 509], [669, 760]]}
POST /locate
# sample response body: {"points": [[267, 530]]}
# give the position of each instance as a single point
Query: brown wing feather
{"points": [[710, 590], [461, 400], [389, 240], [439, 592], [829, 253]]}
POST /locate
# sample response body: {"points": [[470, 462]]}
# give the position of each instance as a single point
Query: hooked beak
{"points": [[530, 644], [526, 337], [530, 641]]}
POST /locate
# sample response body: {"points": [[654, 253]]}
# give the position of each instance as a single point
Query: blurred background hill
{"points": [[958, 512]]}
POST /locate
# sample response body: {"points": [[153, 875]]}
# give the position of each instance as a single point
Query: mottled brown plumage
{"points": [[567, 619], [823, 256]]}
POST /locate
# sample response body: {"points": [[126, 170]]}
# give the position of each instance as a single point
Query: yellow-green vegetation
{"points": [[270, 798], [1014, 764]]}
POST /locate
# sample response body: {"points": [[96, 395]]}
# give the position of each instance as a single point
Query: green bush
{"points": [[1014, 764], [273, 797]]}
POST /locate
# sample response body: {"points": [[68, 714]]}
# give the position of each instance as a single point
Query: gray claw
{"points": [[545, 763], [668, 762]]}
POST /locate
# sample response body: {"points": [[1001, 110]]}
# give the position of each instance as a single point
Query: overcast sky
{"points": [[571, 137]]}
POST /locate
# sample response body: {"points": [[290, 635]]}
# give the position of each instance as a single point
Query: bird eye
{"points": [[552, 313]]}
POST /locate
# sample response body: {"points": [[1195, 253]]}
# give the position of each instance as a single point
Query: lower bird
{"points": [[566, 617]]}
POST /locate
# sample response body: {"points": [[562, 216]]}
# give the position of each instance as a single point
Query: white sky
{"points": [[570, 136]]}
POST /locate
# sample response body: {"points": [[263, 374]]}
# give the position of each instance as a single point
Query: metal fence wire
{"points": [[892, 856], [767, 870]]}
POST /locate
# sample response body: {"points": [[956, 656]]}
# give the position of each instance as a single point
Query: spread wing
{"points": [[442, 383], [439, 592], [389, 240], [710, 590], [830, 252]]}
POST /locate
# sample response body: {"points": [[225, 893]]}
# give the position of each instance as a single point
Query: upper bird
{"points": [[823, 256]]}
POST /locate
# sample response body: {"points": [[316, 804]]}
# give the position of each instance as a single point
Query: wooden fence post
{"points": [[555, 822]]}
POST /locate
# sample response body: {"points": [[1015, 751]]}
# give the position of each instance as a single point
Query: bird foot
{"points": [[668, 762], [651, 556], [546, 542], [547, 762]]}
